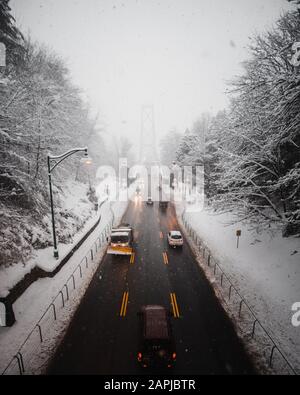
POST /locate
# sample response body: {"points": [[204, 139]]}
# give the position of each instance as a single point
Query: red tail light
{"points": [[139, 356], [174, 355]]}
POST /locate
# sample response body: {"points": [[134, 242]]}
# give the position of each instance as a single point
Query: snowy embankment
{"points": [[78, 216], [264, 268], [34, 301]]}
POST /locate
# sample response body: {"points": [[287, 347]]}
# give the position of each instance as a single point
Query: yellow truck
{"points": [[121, 240]]}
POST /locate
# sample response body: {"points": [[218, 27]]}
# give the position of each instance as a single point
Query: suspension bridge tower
{"points": [[148, 151]]}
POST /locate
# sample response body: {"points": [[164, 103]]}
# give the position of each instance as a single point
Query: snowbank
{"points": [[75, 216]]}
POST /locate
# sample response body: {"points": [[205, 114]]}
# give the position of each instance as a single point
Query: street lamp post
{"points": [[56, 160]]}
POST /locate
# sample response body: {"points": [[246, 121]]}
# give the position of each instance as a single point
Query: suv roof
{"points": [[175, 233], [156, 324], [121, 233], [121, 229]]}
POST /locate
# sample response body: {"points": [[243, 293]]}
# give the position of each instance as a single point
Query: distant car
{"points": [[156, 343], [163, 204], [175, 238], [149, 201]]}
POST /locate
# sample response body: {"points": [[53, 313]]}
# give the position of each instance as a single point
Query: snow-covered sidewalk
{"points": [[264, 268]]}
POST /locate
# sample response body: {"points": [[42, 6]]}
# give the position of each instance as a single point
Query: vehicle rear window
{"points": [[119, 239], [156, 325], [176, 237]]}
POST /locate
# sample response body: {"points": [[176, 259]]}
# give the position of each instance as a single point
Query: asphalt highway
{"points": [[103, 336]]}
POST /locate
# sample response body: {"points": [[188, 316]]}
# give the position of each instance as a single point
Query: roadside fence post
{"points": [[229, 295], [240, 309], [253, 328], [40, 332], [19, 364], [21, 360], [271, 356], [67, 290], [62, 298], [54, 310]]}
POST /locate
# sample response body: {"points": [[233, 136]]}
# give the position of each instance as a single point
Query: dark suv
{"points": [[163, 204], [156, 346]]}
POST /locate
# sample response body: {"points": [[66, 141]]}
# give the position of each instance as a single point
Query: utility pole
{"points": [[56, 160]]}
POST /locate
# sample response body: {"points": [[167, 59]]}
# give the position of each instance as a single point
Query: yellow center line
{"points": [[124, 304], [174, 305], [132, 257], [165, 257]]}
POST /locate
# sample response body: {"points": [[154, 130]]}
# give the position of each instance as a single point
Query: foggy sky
{"points": [[174, 54]]}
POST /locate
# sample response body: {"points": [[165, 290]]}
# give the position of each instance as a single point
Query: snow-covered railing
{"points": [[29, 352], [248, 321]]}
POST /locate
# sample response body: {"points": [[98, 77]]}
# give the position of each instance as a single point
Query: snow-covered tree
{"points": [[40, 112], [212, 156], [10, 36], [260, 148], [252, 151], [168, 147]]}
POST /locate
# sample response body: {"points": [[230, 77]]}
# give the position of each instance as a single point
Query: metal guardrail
{"points": [[241, 302], [20, 362]]}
